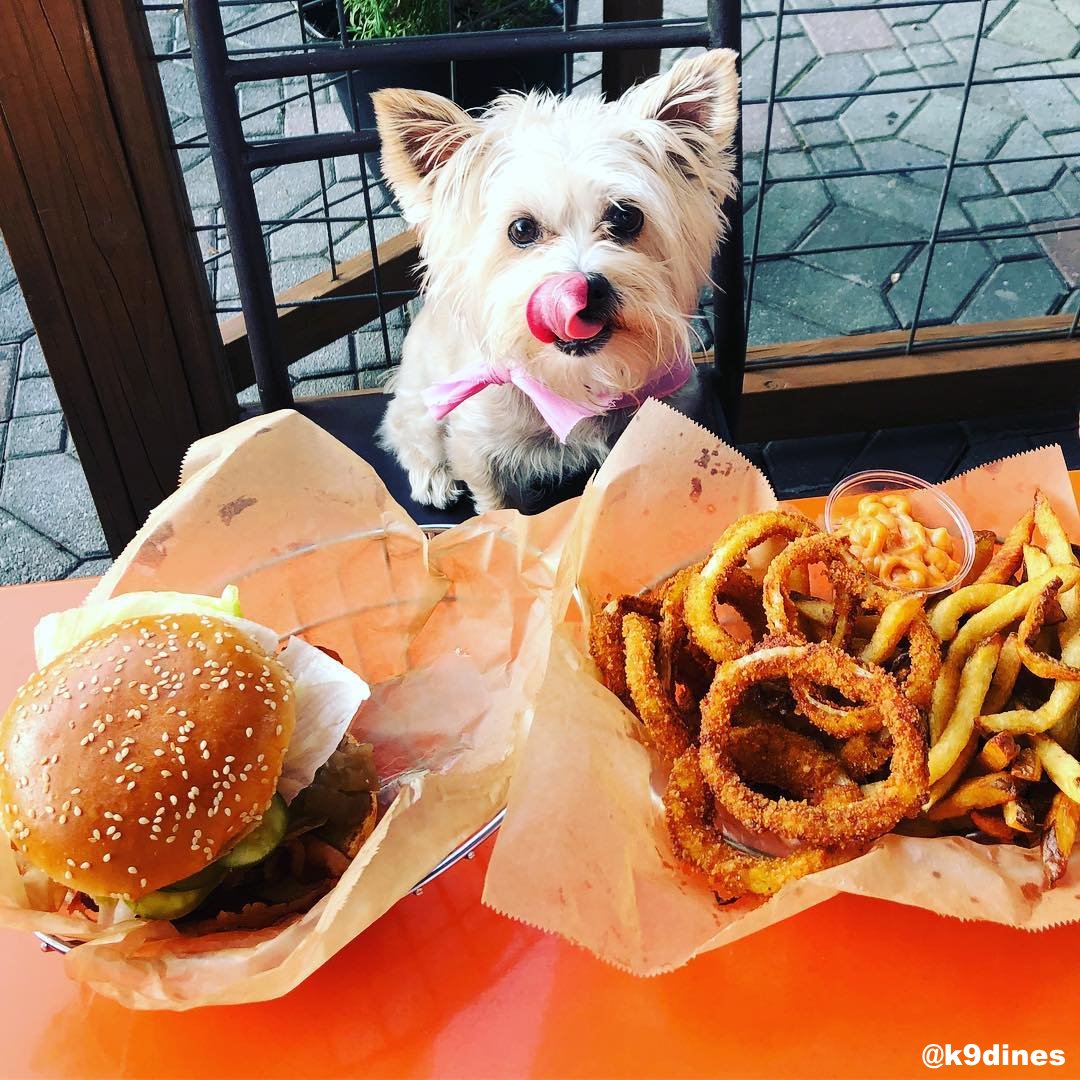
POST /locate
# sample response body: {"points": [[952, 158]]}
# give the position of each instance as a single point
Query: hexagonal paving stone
{"points": [[849, 31], [985, 213], [955, 20], [1064, 251], [1039, 28], [888, 61], [331, 360], [932, 55], [835, 159], [7, 271], [919, 33], [30, 435], [331, 384], [26, 555], [769, 324], [91, 568], [14, 315], [899, 199], [1016, 290], [35, 396], [781, 137], [1026, 141], [791, 209], [955, 273], [844, 226], [836, 74], [879, 116], [50, 494], [1040, 206], [8, 356], [796, 288], [32, 359], [934, 126], [796, 54]]}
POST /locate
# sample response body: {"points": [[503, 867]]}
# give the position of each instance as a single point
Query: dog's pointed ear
{"points": [[420, 132], [700, 92]]}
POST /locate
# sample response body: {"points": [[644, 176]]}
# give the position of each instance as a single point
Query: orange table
{"points": [[441, 986]]}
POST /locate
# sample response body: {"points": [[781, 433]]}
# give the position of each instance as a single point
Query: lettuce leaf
{"points": [[328, 695], [60, 632]]}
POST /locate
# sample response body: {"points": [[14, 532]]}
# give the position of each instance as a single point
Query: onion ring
{"points": [[688, 805], [664, 725], [893, 799], [606, 639], [677, 655], [848, 576], [865, 753], [727, 555]]}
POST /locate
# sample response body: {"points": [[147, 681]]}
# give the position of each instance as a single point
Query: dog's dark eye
{"points": [[523, 231], [624, 221]]}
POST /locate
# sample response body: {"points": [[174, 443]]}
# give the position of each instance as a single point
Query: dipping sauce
{"points": [[896, 548]]}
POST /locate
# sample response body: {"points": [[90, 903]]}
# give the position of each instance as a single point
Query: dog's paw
{"points": [[438, 488]]}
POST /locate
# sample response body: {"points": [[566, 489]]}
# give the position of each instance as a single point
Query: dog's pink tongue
{"points": [[554, 309]]}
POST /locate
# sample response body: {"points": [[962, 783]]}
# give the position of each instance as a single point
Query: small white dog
{"points": [[565, 243]]}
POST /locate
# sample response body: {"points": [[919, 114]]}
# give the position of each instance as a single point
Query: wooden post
{"points": [[95, 217], [622, 69]]}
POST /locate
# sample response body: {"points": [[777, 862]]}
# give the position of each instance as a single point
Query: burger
{"points": [[167, 761]]}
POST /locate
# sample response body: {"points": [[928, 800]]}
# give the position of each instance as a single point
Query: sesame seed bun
{"points": [[137, 758]]}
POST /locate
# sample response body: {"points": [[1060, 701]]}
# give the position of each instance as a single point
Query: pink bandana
{"points": [[559, 413]]}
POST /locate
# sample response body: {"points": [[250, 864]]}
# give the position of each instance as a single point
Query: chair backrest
{"points": [[219, 73]]}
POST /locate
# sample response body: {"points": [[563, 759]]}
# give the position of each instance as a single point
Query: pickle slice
{"points": [[208, 878], [171, 904], [257, 844]]}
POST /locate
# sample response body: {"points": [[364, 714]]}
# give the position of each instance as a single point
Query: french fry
{"points": [[1056, 541], [1060, 836], [1036, 561], [1019, 816], [978, 793], [992, 825], [1059, 764], [947, 613], [822, 614], [1005, 675], [1006, 561], [942, 788], [895, 620], [1067, 692], [974, 683], [991, 620], [1059, 713], [985, 542], [998, 752], [1026, 766], [1036, 661]]}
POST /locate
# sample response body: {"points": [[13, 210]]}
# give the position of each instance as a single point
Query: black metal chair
{"points": [[354, 418]]}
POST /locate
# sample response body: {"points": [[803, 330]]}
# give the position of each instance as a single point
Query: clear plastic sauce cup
{"points": [[930, 506]]}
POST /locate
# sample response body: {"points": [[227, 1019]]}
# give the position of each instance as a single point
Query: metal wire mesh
{"points": [[919, 173]]}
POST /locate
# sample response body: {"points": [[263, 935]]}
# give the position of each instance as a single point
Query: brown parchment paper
{"points": [[452, 635], [584, 852]]}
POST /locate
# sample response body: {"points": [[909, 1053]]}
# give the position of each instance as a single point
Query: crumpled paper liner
{"points": [[584, 851], [452, 635]]}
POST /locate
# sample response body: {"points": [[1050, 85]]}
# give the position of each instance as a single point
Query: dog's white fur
{"points": [[664, 147]]}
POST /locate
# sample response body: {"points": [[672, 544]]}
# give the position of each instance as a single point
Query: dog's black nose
{"points": [[601, 298]]}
